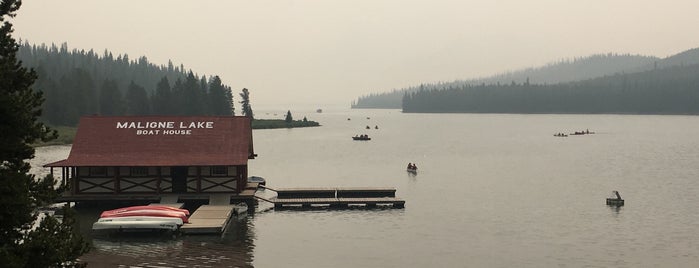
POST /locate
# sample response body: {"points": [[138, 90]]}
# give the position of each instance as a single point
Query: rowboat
{"points": [[361, 138]]}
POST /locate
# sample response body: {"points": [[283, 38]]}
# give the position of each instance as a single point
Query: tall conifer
{"points": [[25, 240]]}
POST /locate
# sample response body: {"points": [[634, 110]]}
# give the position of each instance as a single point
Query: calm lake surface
{"points": [[493, 190]]}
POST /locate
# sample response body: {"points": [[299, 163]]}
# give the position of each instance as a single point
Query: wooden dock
{"points": [[335, 197], [209, 219]]}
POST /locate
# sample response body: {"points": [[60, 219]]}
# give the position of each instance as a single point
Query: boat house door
{"points": [[179, 179]]}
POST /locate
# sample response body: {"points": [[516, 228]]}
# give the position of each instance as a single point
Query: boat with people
{"points": [[362, 137], [560, 135], [152, 217], [615, 199], [412, 168], [583, 132]]}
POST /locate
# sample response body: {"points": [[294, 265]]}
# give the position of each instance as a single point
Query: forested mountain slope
{"points": [[562, 71], [671, 90], [78, 82]]}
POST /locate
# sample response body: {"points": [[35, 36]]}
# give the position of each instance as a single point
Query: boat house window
{"points": [[98, 171], [219, 171], [139, 171]]}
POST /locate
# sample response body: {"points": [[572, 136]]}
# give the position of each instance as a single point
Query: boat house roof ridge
{"points": [[161, 141]]}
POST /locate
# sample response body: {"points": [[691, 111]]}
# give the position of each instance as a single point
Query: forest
{"points": [[77, 82], [562, 71], [672, 90]]}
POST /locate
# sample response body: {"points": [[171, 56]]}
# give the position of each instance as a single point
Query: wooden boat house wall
{"points": [[154, 155]]}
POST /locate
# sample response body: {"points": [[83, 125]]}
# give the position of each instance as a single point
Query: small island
{"points": [[279, 123]]}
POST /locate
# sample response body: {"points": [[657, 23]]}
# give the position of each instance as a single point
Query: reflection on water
{"points": [[142, 249]]}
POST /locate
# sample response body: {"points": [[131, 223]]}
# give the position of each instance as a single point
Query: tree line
{"points": [[77, 82], [562, 71], [672, 90]]}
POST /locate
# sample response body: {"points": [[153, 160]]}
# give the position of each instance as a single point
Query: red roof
{"points": [[161, 141]]}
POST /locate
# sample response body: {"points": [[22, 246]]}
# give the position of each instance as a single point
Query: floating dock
{"points": [[334, 197], [209, 219]]}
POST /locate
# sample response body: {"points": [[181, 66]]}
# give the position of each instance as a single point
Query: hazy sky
{"points": [[325, 53]]}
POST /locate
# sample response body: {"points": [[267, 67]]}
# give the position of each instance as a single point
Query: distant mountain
{"points": [[669, 90], [558, 72]]}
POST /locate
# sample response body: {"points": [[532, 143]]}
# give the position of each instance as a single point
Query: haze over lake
{"points": [[492, 190]]}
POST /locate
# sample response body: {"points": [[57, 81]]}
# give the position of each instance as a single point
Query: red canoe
{"points": [[120, 210], [153, 211]]}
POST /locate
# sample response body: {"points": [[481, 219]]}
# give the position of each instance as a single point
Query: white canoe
{"points": [[137, 222]]}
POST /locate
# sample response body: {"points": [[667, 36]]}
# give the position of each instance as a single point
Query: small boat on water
{"points": [[412, 168], [582, 132], [142, 218], [256, 179], [361, 138], [615, 200]]}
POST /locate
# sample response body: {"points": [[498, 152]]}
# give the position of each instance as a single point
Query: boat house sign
{"points": [[164, 127]]}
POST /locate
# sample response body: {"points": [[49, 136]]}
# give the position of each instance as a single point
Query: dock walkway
{"points": [[334, 197], [209, 219]]}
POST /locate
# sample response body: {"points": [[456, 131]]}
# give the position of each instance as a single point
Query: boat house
{"points": [[147, 157]]}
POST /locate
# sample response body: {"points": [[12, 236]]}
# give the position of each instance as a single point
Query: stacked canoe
{"points": [[142, 218]]}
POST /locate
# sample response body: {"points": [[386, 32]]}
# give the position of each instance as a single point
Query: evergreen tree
{"points": [[288, 118], [162, 99], [245, 103], [53, 243], [110, 101], [229, 96], [137, 100], [218, 99], [192, 95]]}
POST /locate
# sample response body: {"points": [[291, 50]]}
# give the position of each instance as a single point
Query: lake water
{"points": [[493, 190]]}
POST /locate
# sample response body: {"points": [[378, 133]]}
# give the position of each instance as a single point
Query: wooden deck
{"points": [[209, 219], [335, 197]]}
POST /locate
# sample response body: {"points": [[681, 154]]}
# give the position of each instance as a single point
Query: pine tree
{"points": [[111, 102], [52, 243], [137, 100], [218, 99], [161, 101], [245, 103], [288, 119]]}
